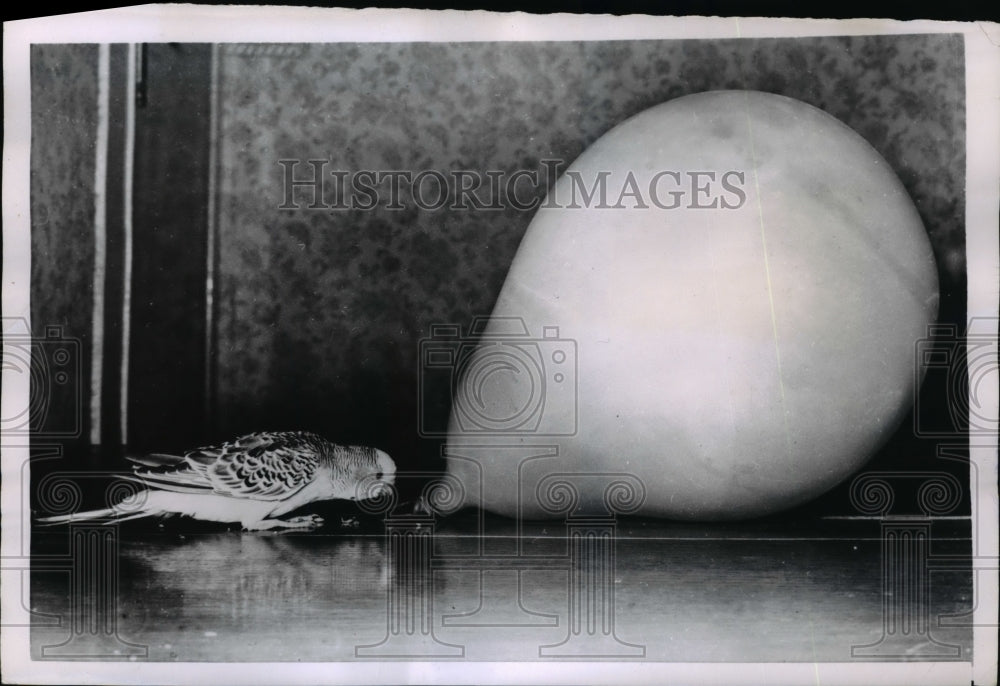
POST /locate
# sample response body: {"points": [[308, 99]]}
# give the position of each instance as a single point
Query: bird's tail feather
{"points": [[156, 459], [179, 482], [108, 515]]}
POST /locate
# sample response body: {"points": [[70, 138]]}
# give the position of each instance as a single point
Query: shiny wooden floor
{"points": [[462, 588]]}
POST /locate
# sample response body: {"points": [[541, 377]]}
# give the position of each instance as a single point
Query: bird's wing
{"points": [[260, 466]]}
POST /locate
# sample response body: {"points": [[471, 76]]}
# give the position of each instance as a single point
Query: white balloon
{"points": [[739, 318]]}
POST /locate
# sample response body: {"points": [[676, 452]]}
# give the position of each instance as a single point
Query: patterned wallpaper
{"points": [[320, 312], [64, 125]]}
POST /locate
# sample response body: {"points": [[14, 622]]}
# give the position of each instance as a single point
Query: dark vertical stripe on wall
{"points": [[170, 210], [64, 125], [115, 255]]}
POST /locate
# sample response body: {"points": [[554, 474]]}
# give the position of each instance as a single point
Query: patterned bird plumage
{"points": [[252, 480]]}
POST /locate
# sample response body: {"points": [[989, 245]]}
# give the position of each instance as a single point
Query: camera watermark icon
{"points": [[52, 363], [965, 367], [502, 379]]}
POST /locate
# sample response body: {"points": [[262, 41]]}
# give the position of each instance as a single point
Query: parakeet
{"points": [[253, 480]]}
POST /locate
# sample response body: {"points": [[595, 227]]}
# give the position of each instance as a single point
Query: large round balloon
{"points": [[714, 312]]}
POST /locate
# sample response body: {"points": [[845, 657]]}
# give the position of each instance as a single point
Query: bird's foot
{"points": [[303, 523], [307, 522]]}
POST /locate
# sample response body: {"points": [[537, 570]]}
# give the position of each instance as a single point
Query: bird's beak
{"points": [[380, 487]]}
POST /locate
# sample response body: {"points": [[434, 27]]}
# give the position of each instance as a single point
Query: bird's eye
{"points": [[379, 476]]}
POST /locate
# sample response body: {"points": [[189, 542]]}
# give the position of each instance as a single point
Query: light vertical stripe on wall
{"points": [[210, 269], [100, 239], [127, 279]]}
